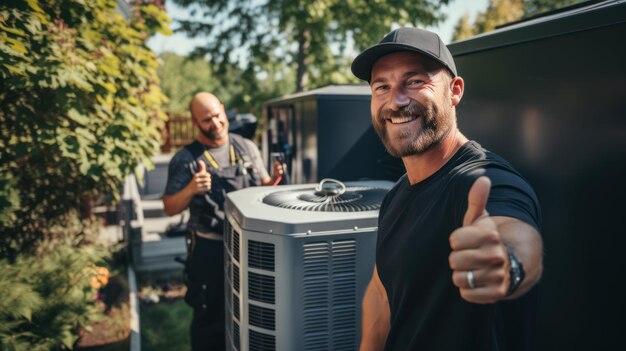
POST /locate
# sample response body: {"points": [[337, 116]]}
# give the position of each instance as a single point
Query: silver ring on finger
{"points": [[470, 279]]}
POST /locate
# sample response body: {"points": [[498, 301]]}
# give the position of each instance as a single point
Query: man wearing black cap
{"points": [[459, 251]]}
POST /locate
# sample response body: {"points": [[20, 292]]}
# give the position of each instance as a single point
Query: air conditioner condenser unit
{"points": [[297, 261]]}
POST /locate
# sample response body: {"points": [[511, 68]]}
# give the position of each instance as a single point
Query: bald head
{"points": [[203, 101], [208, 114]]}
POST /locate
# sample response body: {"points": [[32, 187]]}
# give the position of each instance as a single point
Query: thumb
{"points": [[477, 200], [201, 166]]}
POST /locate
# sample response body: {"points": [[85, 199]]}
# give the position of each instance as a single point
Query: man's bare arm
{"points": [[480, 259], [277, 172], [375, 315], [178, 202], [526, 244]]}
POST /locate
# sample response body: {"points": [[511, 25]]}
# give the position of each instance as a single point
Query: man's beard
{"points": [[434, 126], [213, 135]]}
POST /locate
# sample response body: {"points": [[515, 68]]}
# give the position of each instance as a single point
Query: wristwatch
{"points": [[516, 272]]}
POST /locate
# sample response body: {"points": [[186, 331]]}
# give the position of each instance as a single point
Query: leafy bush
{"points": [[79, 109], [47, 296]]}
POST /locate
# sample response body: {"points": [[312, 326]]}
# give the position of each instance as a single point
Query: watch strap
{"points": [[516, 272]]}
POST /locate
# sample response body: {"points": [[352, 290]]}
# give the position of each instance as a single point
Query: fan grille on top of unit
{"points": [[343, 199]]}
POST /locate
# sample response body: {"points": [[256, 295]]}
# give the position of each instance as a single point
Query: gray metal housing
{"points": [[295, 279]]}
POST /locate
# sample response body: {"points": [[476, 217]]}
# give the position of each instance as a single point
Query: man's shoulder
{"points": [[240, 139], [248, 145], [185, 154], [475, 159]]}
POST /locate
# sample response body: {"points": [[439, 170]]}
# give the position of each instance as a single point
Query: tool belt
{"points": [[209, 235], [193, 235]]}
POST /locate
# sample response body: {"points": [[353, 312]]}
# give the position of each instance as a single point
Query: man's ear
{"points": [[457, 86]]}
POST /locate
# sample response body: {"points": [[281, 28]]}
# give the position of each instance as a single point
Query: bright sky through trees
{"points": [[181, 45]]}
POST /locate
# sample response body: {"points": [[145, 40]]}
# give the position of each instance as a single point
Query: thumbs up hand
{"points": [[479, 259], [201, 181]]}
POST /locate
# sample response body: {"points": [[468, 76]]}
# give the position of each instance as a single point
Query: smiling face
{"points": [[412, 103], [209, 116]]}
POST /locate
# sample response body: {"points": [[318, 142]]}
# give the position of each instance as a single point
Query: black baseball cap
{"points": [[404, 39]]}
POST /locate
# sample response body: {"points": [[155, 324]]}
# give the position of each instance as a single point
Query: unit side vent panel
{"points": [[317, 342], [315, 259], [344, 310], [329, 298], [228, 234], [261, 255], [262, 342], [315, 268], [236, 306], [229, 267], [236, 246], [261, 287], [344, 340], [262, 317], [236, 336], [344, 272], [236, 277]]}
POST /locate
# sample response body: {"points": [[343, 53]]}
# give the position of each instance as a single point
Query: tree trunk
{"points": [[304, 41]]}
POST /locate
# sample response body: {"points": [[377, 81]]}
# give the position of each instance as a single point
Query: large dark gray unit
{"points": [[549, 95], [327, 133]]}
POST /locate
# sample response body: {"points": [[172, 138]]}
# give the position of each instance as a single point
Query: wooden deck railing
{"points": [[179, 131]]}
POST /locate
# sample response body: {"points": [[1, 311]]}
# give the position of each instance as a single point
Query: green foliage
{"points": [[497, 13], [500, 12], [47, 296], [79, 109], [165, 326], [309, 37], [533, 7], [463, 29], [181, 77]]}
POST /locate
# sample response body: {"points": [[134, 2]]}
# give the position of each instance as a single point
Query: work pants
{"points": [[205, 294]]}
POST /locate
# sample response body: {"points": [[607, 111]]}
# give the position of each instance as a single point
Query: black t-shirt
{"points": [[415, 222]]}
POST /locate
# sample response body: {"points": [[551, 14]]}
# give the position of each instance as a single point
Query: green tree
{"points": [[79, 105], [181, 77], [500, 12], [79, 109], [300, 34], [534, 7]]}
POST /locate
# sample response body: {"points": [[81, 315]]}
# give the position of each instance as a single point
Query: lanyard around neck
{"points": [[213, 162]]}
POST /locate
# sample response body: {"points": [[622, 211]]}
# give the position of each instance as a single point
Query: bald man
{"points": [[199, 177]]}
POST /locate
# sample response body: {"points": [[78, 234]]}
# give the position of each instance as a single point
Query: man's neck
{"points": [[421, 166], [210, 142]]}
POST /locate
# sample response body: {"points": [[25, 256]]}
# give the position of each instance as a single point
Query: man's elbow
{"points": [[169, 208], [169, 212]]}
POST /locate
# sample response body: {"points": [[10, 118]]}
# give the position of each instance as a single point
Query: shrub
{"points": [[46, 297], [79, 106], [79, 109]]}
